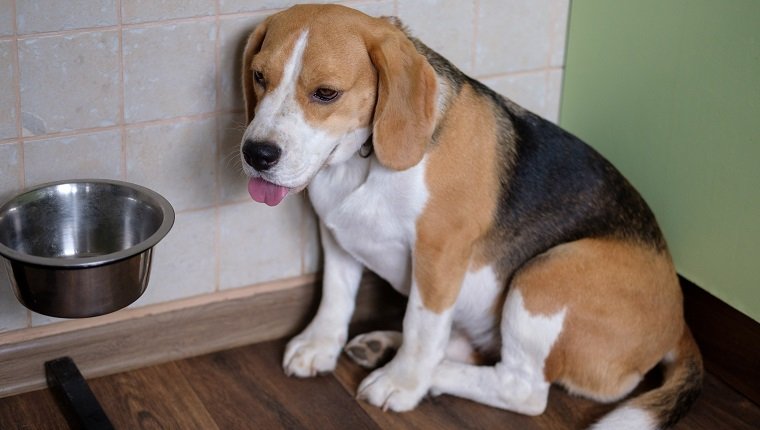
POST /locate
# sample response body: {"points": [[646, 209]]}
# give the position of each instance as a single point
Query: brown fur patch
{"points": [[252, 47], [406, 100], [338, 60], [463, 183], [624, 312], [332, 59], [384, 82]]}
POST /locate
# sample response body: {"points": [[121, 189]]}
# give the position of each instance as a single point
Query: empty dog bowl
{"points": [[81, 248]]}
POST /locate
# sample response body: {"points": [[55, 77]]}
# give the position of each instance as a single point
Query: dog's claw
{"points": [[307, 357], [388, 391]]}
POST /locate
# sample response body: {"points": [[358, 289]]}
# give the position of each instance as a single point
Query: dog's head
{"points": [[318, 81]]}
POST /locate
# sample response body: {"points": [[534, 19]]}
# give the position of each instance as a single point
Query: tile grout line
{"points": [[552, 36], [147, 123], [116, 27], [122, 93], [144, 25], [564, 59], [17, 79], [554, 16], [19, 121], [475, 35], [17, 93], [217, 130]]}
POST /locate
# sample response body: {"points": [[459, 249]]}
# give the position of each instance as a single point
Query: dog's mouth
{"points": [[264, 191]]}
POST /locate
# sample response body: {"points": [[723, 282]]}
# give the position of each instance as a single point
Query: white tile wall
{"points": [[11, 173], [12, 315], [524, 37], [135, 11], [93, 155], [69, 82], [232, 6], [169, 70], [33, 16], [233, 33], [149, 92], [8, 114], [447, 26], [6, 17], [184, 263], [553, 92], [258, 243], [536, 91], [232, 183], [376, 8], [558, 33], [527, 89], [178, 160]]}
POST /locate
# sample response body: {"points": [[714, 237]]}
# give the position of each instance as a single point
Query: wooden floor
{"points": [[245, 388]]}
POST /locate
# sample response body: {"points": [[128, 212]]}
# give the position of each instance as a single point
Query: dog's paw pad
{"points": [[375, 346], [372, 350]]}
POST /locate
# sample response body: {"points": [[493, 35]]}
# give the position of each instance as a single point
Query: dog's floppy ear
{"points": [[252, 47], [406, 97]]}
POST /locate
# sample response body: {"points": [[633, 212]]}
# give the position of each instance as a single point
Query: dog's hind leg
{"points": [[498, 386], [517, 382]]}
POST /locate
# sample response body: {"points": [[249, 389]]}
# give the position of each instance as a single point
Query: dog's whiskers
{"points": [[232, 160], [237, 126]]}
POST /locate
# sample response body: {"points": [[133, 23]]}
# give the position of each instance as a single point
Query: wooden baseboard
{"points": [[135, 338], [151, 335], [728, 339]]}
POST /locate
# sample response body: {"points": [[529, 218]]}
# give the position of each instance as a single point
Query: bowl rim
{"points": [[84, 262]]}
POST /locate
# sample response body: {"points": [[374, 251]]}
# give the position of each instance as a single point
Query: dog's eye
{"points": [[259, 78], [325, 95]]}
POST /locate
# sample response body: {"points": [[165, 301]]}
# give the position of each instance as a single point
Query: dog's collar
{"points": [[366, 149]]}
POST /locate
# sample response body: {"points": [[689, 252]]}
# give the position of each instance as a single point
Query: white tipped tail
{"points": [[626, 418]]}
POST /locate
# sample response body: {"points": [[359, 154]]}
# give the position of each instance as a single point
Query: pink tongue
{"points": [[266, 192]]}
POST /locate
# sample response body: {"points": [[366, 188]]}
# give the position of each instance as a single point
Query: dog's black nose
{"points": [[261, 155]]}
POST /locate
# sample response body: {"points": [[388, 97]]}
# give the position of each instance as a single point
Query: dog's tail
{"points": [[662, 407]]}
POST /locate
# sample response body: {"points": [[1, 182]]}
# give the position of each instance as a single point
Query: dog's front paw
{"points": [[388, 388], [308, 355]]}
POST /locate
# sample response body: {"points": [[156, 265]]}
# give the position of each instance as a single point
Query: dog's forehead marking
{"points": [[280, 99]]}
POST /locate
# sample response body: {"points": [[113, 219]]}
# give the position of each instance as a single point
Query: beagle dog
{"points": [[528, 260]]}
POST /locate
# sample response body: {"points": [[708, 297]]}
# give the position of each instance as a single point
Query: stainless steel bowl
{"points": [[81, 248]]}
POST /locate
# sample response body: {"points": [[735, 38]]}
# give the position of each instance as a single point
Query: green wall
{"points": [[669, 91]]}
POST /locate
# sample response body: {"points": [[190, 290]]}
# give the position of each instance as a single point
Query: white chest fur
{"points": [[372, 213]]}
